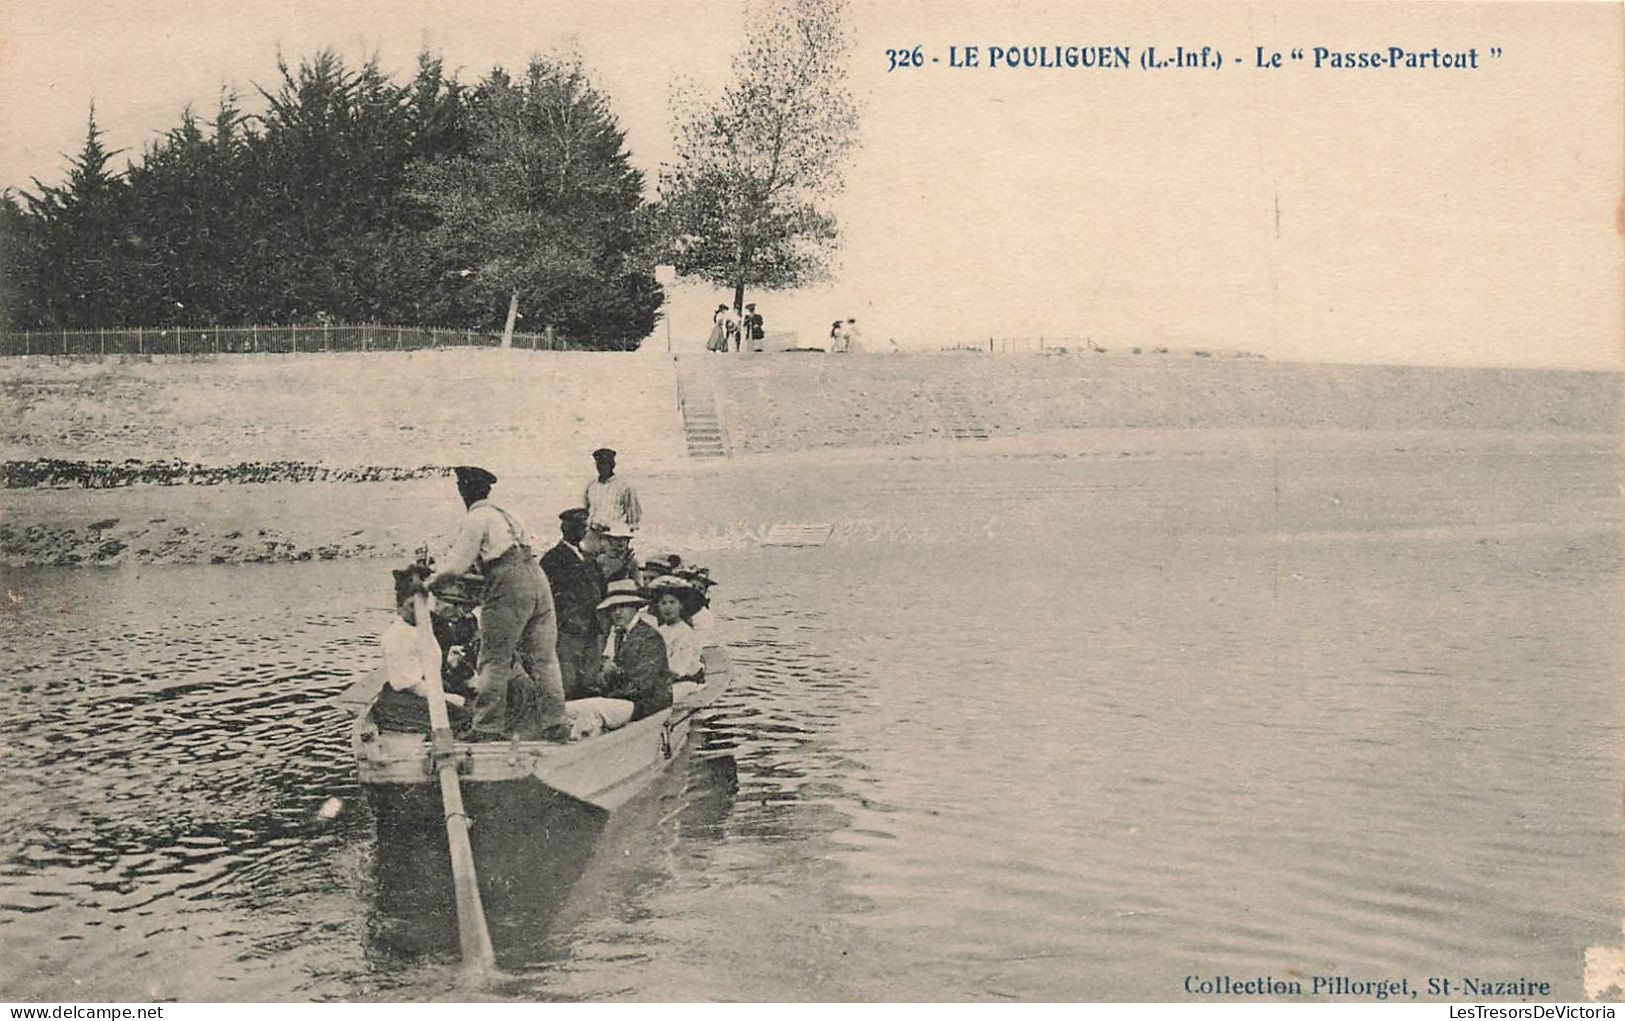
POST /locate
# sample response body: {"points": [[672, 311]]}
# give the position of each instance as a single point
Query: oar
{"points": [[471, 930]]}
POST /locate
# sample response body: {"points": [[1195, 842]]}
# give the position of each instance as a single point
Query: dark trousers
{"points": [[520, 690]]}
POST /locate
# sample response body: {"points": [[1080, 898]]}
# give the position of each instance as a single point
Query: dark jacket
{"points": [[640, 671], [578, 586]]}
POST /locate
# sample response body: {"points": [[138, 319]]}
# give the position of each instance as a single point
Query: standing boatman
{"points": [[578, 586], [613, 514], [518, 689]]}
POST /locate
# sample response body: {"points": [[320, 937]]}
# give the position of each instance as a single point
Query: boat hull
{"points": [[526, 779]]}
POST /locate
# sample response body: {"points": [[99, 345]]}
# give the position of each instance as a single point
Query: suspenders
{"points": [[513, 533]]}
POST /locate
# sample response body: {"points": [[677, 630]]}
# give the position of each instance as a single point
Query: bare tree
{"points": [[746, 202]]}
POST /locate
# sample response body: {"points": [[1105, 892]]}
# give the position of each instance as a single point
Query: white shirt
{"points": [[485, 534], [643, 617], [682, 648], [408, 657], [613, 504]]}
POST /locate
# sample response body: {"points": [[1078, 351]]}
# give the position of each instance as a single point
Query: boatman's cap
{"points": [[468, 475], [574, 514], [622, 592], [603, 454]]}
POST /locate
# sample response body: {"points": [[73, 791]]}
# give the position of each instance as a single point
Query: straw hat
{"points": [[622, 592], [668, 583]]}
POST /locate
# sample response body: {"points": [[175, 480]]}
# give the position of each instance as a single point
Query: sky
{"points": [[1392, 215]]}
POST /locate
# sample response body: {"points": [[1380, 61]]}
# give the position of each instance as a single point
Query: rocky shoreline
{"points": [[109, 543], [55, 473]]}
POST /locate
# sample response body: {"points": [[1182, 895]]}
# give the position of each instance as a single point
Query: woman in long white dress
{"points": [[718, 340]]}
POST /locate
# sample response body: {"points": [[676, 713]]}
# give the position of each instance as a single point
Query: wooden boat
{"points": [[512, 784]]}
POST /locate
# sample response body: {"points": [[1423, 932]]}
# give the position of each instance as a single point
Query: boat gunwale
{"points": [[507, 761]]}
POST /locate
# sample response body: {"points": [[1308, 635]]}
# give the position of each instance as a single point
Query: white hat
{"points": [[622, 592]]}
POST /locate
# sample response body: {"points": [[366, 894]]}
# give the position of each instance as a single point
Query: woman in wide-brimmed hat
{"points": [[635, 666], [699, 612], [403, 705], [671, 597]]}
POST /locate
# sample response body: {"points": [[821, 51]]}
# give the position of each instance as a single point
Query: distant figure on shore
{"points": [[578, 587], [519, 691], [837, 332], [718, 341], [849, 338], [754, 331], [613, 515], [635, 666]]}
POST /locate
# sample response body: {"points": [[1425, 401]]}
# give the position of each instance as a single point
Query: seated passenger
{"points": [[635, 665], [670, 597], [698, 611], [457, 630], [402, 705], [660, 566]]}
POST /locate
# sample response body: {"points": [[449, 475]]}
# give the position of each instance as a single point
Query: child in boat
{"points": [[402, 705], [671, 597], [635, 665]]}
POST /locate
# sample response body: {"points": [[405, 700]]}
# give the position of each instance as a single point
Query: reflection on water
{"points": [[530, 860], [1028, 729]]}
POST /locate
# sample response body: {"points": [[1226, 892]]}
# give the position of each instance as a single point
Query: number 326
{"points": [[904, 58]]}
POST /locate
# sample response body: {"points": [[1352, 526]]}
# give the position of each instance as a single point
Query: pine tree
{"points": [[192, 244], [546, 212], [79, 253]]}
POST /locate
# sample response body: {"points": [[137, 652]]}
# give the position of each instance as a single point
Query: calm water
{"points": [[1050, 728]]}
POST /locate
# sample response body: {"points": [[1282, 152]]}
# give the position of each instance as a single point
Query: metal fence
{"points": [[207, 340], [1029, 345]]}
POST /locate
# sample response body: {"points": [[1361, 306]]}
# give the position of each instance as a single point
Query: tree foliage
{"points": [[349, 197], [745, 204], [546, 205], [72, 253]]}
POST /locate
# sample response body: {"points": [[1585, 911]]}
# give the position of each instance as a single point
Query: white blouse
{"points": [[682, 649]]}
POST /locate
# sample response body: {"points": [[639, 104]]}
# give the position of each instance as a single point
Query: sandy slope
{"points": [[534, 418], [795, 402]]}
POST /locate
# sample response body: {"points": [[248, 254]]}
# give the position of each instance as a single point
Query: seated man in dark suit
{"points": [[577, 586], [635, 665]]}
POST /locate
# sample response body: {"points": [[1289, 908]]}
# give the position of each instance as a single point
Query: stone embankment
{"points": [[256, 458]]}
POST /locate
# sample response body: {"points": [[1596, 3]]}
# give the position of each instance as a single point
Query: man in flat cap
{"points": [[577, 585], [518, 688], [613, 514]]}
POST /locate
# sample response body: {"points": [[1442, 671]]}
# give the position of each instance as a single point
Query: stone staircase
{"points": [[702, 427], [960, 419]]}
